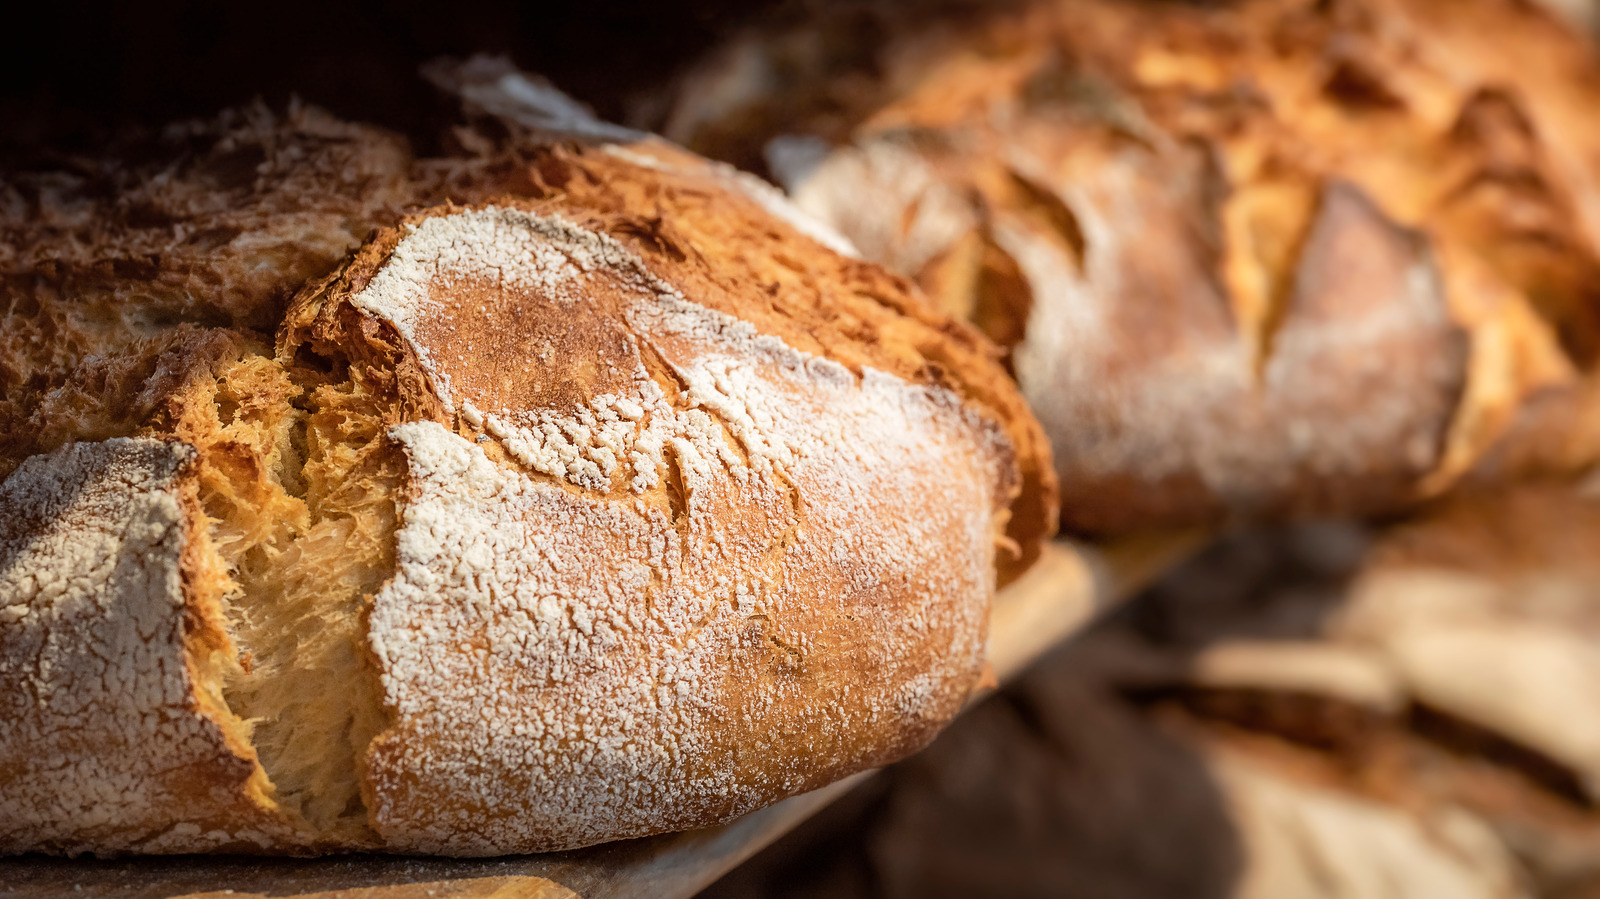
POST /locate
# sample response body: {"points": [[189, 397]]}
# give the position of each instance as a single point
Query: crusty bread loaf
{"points": [[590, 498], [1252, 259]]}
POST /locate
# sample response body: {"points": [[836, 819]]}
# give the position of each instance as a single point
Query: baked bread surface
{"points": [[594, 499]]}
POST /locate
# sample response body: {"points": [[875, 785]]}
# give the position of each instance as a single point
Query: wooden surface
{"points": [[1069, 587]]}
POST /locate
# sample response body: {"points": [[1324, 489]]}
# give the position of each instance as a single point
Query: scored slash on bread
{"points": [[648, 619], [590, 501]]}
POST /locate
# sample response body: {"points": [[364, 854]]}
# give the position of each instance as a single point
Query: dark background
{"points": [[70, 74]]}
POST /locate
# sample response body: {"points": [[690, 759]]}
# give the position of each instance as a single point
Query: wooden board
{"points": [[1068, 588]]}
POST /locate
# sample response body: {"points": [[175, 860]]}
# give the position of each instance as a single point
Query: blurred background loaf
{"points": [[1252, 260]]}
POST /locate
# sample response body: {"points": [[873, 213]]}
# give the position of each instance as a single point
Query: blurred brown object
{"points": [[1584, 14], [1254, 259], [1319, 711]]}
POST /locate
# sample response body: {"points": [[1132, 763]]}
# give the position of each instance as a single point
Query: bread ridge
{"points": [[885, 323]]}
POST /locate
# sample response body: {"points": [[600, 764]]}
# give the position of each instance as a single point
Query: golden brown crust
{"points": [[121, 278], [674, 209], [776, 573], [121, 287], [707, 621], [1136, 198]]}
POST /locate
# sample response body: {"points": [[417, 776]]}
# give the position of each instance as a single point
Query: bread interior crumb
{"points": [[300, 487]]}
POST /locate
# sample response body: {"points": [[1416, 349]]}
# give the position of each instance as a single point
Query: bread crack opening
{"points": [[300, 489]]}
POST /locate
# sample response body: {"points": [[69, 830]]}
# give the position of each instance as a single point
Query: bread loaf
{"points": [[558, 491], [1252, 259]]}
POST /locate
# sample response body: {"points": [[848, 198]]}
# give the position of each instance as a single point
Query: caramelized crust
{"points": [[641, 540], [734, 245]]}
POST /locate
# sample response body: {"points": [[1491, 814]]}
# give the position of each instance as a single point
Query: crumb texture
{"points": [[299, 502]]}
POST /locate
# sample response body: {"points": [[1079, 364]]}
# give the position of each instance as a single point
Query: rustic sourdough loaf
{"points": [[1256, 258], [561, 490]]}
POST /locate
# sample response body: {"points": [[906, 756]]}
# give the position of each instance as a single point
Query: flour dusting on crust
{"points": [[773, 571], [92, 654], [502, 245]]}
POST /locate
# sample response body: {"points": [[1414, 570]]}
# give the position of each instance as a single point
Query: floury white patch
{"points": [[595, 663]]}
